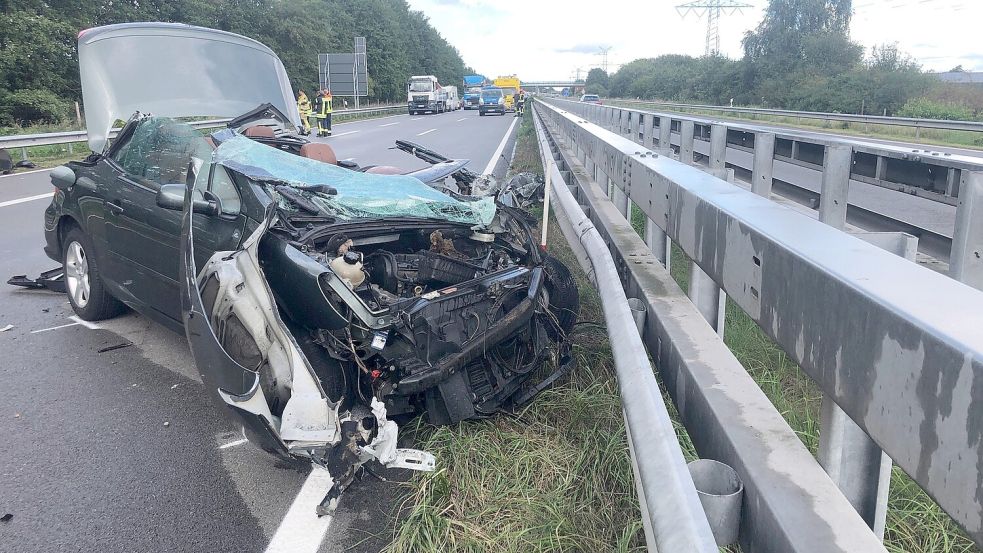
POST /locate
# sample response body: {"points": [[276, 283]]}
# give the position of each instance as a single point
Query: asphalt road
{"points": [[122, 449]]}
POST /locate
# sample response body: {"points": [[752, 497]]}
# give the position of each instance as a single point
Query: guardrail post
{"points": [[853, 461], [718, 151], [966, 257], [686, 129], [762, 172], [834, 194], [649, 141], [657, 241], [707, 297], [665, 135]]}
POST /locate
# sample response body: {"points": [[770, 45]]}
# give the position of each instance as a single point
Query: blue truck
{"points": [[472, 90]]}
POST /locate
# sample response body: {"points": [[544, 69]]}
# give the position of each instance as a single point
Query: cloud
{"points": [[581, 49]]}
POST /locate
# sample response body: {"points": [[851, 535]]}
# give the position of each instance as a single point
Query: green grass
{"points": [[938, 137]]}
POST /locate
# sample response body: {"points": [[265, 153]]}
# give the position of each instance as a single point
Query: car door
{"points": [[143, 239]]}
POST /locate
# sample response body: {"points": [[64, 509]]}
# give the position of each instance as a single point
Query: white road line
{"points": [[54, 328], [498, 152], [416, 119], [301, 530], [389, 124], [19, 173], [233, 444], [342, 134], [426, 132], [461, 119], [86, 324], [27, 199]]}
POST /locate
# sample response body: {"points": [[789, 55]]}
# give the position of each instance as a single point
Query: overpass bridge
{"points": [[573, 85]]}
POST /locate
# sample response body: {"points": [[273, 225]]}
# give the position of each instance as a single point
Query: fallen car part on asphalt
{"points": [[53, 279]]}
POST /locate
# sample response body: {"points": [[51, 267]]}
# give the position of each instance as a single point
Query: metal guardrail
{"points": [[674, 517], [761, 151], [915, 122], [896, 346], [69, 137]]}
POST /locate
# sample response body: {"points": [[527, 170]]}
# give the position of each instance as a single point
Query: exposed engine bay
{"points": [[468, 316]]}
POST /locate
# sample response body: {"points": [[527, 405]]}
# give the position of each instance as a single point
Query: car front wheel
{"points": [[83, 281]]}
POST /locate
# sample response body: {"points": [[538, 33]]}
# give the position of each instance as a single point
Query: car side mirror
{"points": [[63, 177], [171, 196]]}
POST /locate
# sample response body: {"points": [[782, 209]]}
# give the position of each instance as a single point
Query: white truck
{"points": [[423, 94]]}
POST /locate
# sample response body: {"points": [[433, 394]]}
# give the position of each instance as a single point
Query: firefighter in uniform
{"points": [[322, 111], [304, 107], [520, 102]]}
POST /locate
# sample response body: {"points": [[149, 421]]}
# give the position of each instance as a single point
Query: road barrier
{"points": [[896, 348], [913, 122], [25, 141], [760, 151]]}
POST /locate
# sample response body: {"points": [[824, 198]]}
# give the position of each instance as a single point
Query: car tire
{"points": [[481, 113], [564, 294], [83, 280]]}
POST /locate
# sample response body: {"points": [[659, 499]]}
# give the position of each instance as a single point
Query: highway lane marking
{"points": [[498, 153], [416, 119], [27, 199], [301, 530], [342, 134], [19, 173], [426, 132], [233, 444], [54, 328], [389, 124], [461, 119], [86, 324]]}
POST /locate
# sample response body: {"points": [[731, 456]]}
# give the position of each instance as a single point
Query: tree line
{"points": [[39, 79], [800, 57]]}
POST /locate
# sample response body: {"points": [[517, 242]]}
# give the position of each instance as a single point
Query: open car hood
{"points": [[175, 70]]}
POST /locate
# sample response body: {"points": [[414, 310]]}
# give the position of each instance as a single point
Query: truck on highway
{"points": [[423, 95], [472, 90], [452, 100], [510, 87]]}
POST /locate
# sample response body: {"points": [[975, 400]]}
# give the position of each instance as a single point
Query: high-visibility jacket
{"points": [[303, 104], [322, 106]]}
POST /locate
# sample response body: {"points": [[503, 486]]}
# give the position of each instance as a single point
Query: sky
{"points": [[550, 39]]}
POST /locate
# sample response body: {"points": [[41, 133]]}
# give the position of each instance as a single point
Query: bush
{"points": [[31, 106], [924, 108]]}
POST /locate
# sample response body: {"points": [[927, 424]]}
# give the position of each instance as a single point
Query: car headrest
{"points": [[385, 170], [319, 152], [259, 131]]}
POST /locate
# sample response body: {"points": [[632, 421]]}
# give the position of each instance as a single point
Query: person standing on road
{"points": [[520, 102], [322, 109], [304, 107]]}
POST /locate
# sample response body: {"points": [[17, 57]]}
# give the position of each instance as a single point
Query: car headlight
{"points": [[501, 101]]}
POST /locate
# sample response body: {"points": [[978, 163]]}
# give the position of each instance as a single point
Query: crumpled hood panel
{"points": [[175, 70]]}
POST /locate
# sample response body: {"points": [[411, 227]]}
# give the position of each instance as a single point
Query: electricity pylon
{"points": [[713, 9]]}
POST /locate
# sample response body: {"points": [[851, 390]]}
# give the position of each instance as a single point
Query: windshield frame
{"points": [[429, 83]]}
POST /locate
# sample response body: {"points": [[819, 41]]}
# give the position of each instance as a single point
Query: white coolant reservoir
{"points": [[349, 268]]}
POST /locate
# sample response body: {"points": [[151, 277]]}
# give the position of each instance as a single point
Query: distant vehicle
{"points": [[492, 100], [451, 98], [590, 99], [472, 90], [423, 95], [510, 87]]}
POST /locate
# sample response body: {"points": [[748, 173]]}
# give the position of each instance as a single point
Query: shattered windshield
{"points": [[359, 195]]}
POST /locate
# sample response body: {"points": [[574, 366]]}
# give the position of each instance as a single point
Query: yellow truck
{"points": [[510, 87]]}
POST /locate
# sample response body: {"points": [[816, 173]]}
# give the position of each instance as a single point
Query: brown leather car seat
{"points": [[259, 131], [319, 152], [385, 170]]}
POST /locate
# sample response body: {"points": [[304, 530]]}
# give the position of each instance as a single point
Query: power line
{"points": [[713, 9], [603, 52]]}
